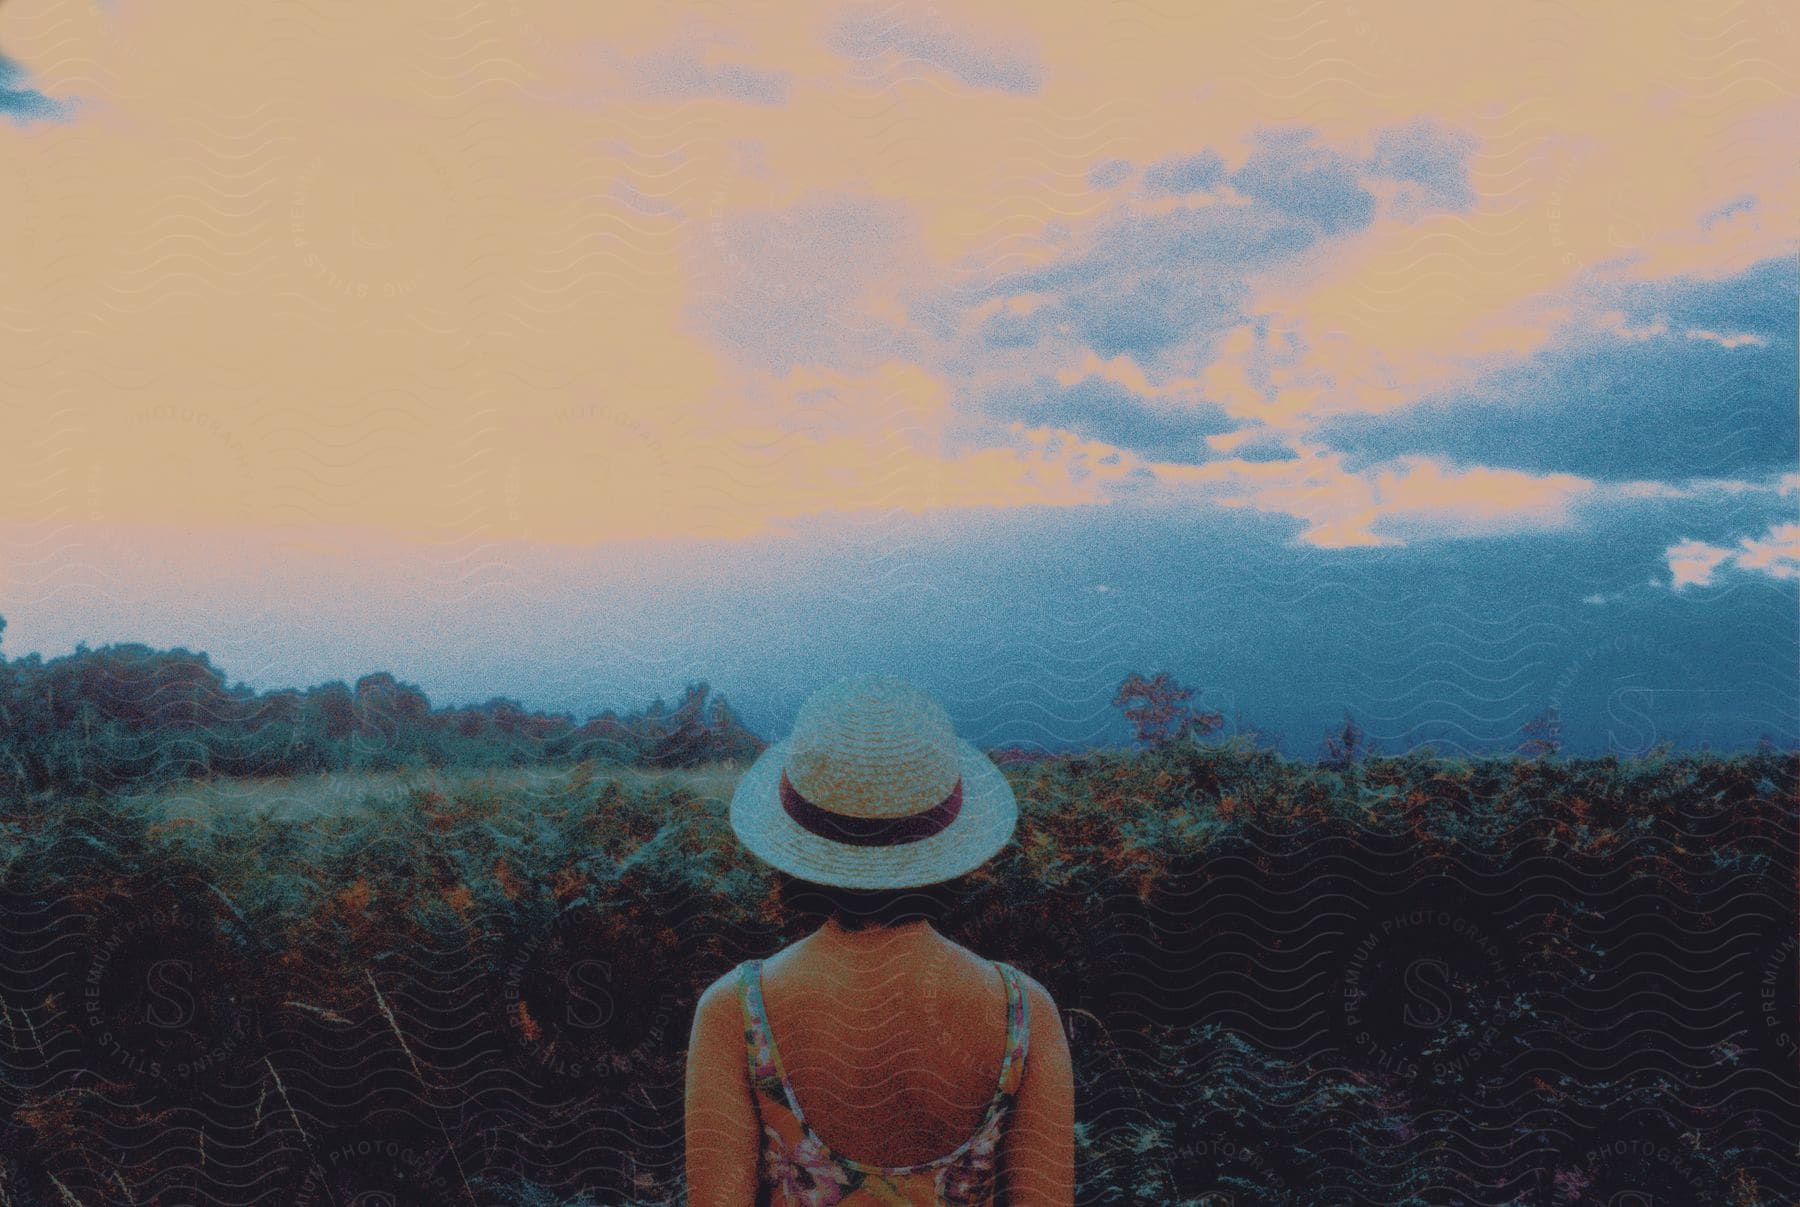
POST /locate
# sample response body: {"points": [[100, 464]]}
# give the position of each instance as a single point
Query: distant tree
{"points": [[382, 692], [332, 708], [1159, 711], [391, 717], [1256, 735], [684, 734], [731, 739], [504, 714], [698, 732], [1346, 746], [277, 709], [604, 736], [98, 719], [1543, 735]]}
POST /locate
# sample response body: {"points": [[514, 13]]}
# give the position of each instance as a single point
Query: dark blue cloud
{"points": [[787, 287], [681, 71], [1149, 282], [20, 103], [1152, 283], [1007, 329], [1153, 310], [1297, 179], [994, 67], [1185, 174], [1265, 448], [1096, 409], [1665, 408], [1431, 156], [1737, 205], [1760, 300], [1108, 173]]}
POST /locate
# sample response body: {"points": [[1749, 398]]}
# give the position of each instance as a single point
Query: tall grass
{"points": [[303, 797], [401, 955]]}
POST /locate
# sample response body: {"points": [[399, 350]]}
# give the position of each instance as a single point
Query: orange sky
{"points": [[576, 273]]}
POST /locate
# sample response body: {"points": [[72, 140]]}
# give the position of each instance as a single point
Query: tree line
{"points": [[129, 715]]}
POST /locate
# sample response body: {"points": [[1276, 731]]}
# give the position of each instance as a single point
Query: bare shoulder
{"points": [[723, 989], [1045, 1018], [718, 1012]]}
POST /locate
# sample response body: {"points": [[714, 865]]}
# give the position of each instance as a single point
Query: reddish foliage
{"points": [[355, 899], [1159, 710], [460, 899], [1543, 735], [528, 1026], [1018, 756]]}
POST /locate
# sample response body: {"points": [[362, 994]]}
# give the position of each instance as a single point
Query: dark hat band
{"points": [[870, 831]]}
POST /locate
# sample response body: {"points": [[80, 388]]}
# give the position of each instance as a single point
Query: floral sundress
{"points": [[799, 1170]]}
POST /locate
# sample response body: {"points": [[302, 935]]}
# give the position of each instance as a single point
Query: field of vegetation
{"points": [[1398, 980], [128, 718]]}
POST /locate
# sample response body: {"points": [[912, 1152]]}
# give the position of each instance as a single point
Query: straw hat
{"points": [[873, 789]]}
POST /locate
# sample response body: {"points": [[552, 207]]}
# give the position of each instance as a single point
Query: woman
{"points": [[876, 1061]]}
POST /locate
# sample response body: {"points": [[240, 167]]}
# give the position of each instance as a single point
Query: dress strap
{"points": [[1018, 1030], [758, 1042]]}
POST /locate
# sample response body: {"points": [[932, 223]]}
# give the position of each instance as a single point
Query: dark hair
{"points": [[856, 909]]}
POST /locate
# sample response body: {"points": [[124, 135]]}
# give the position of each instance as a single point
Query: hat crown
{"points": [[873, 746]]}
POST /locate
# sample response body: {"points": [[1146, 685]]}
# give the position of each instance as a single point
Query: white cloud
{"points": [[1614, 321], [1691, 563], [1734, 340], [1698, 487], [1776, 554], [1411, 497]]}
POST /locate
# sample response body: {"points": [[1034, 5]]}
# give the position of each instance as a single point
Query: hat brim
{"points": [[982, 826]]}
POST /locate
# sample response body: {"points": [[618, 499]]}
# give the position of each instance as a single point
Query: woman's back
{"points": [[887, 1065], [875, 1061], [898, 1061]]}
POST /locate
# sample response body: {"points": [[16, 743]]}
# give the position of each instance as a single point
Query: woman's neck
{"points": [[874, 944]]}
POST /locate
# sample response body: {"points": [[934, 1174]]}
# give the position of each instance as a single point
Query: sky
{"points": [[1435, 363]]}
